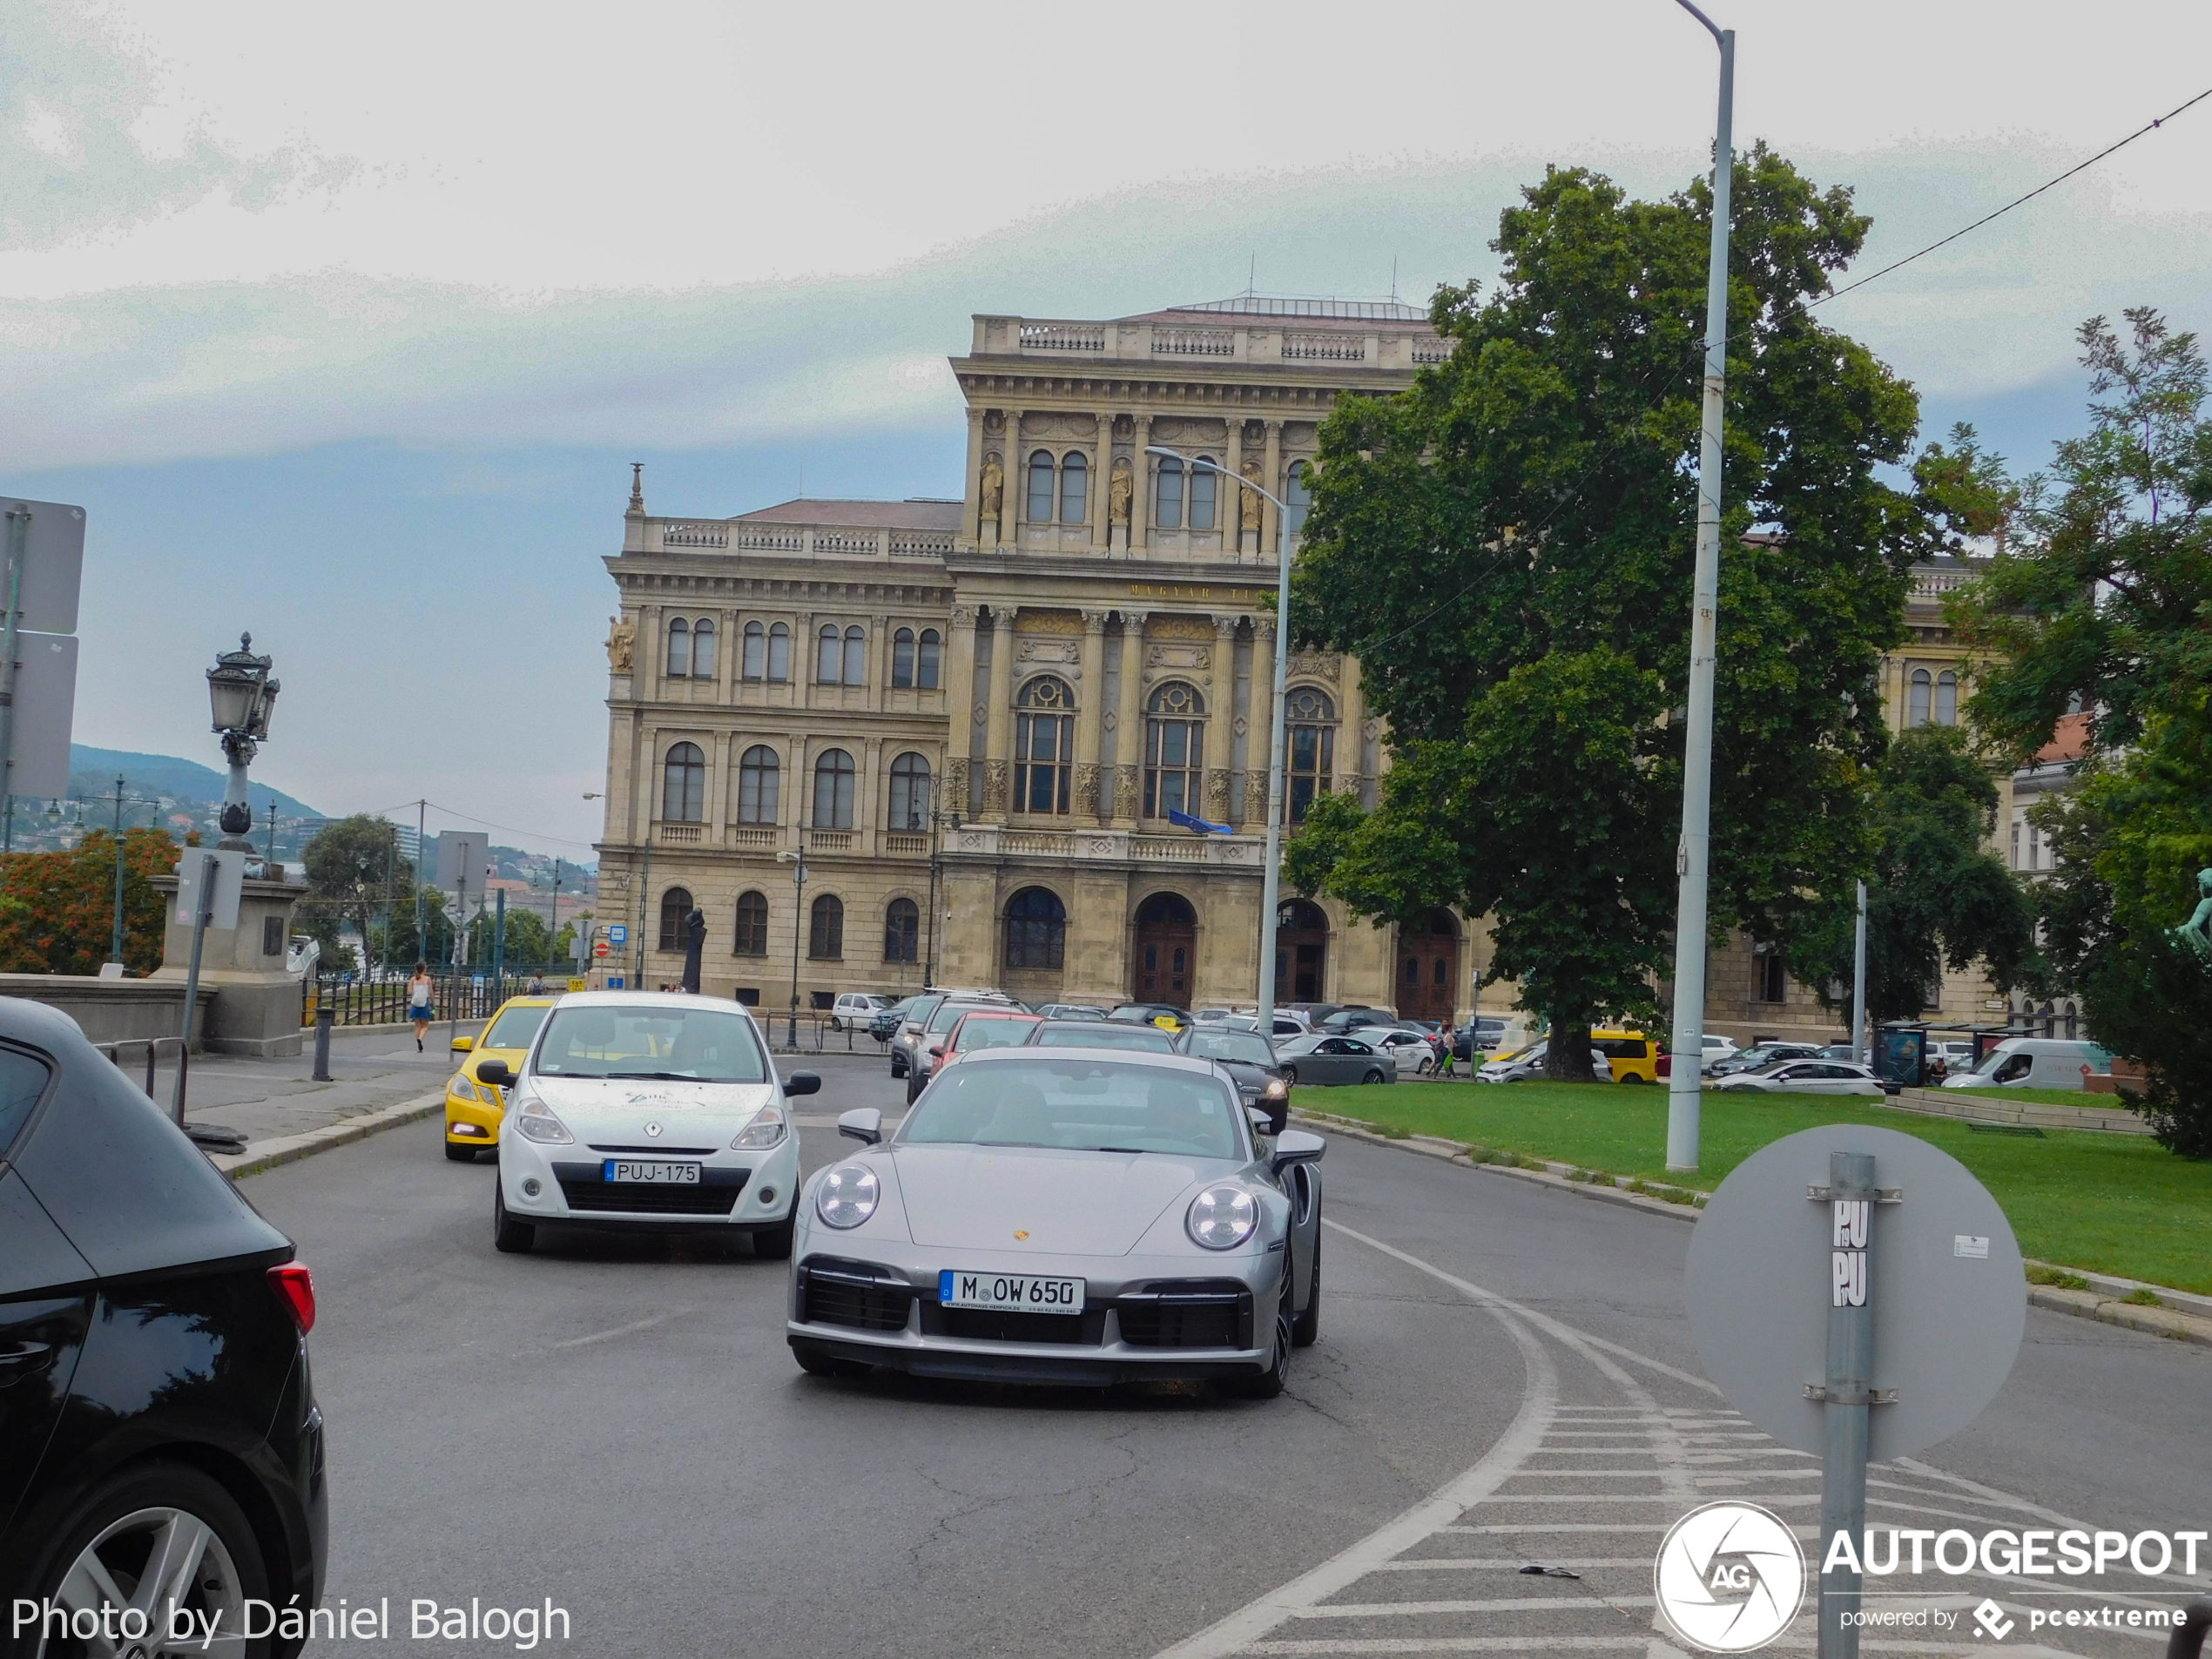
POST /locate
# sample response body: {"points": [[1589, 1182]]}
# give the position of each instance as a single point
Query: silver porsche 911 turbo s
{"points": [[1072, 1215]]}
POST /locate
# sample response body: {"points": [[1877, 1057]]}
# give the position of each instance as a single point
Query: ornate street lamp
{"points": [[242, 693]]}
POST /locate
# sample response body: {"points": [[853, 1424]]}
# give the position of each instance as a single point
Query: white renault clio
{"points": [[647, 1112]]}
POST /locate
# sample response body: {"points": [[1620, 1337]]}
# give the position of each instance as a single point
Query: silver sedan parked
{"points": [[1323, 1059], [1083, 1217], [1805, 1077]]}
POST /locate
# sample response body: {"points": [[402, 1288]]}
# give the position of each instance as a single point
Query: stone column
{"points": [[1221, 717], [971, 525], [1351, 736], [998, 746], [959, 709], [1090, 711], [1017, 481], [1129, 717], [1102, 472], [1230, 508], [1259, 730], [1273, 482], [1140, 506]]}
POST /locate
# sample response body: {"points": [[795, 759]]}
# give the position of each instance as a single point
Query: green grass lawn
{"points": [[2115, 1203]]}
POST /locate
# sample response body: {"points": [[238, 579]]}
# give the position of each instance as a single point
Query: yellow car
{"points": [[473, 1109], [1633, 1056]]}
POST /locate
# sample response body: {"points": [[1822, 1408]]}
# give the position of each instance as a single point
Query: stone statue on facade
{"points": [[2195, 934], [622, 644], [994, 487], [1121, 490], [1249, 511]]}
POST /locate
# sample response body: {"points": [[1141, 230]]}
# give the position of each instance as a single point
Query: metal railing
{"points": [[356, 1001], [153, 1045]]}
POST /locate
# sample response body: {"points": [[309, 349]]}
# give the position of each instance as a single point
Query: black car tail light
{"points": [[295, 1287]]}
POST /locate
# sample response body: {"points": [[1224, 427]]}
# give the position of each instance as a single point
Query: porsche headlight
{"points": [[536, 1121], [1277, 1088], [766, 1129], [1221, 1217], [848, 1195]]}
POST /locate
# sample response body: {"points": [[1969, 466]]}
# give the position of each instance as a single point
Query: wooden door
{"points": [[1428, 968], [1301, 952], [1167, 951]]}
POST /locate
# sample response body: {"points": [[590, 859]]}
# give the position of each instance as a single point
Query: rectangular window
{"points": [[1773, 979], [1042, 744]]}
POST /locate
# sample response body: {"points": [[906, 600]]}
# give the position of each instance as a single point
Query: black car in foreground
{"points": [[161, 1453]]}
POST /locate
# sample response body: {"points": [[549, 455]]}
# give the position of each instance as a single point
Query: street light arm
{"points": [[1711, 27], [1211, 465]]}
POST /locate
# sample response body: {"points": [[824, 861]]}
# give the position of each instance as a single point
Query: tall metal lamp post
{"points": [[1683, 1091], [798, 862], [937, 822], [242, 693], [1270, 876]]}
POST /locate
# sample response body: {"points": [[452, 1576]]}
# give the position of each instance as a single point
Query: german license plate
{"points": [[1028, 1292], [630, 1172]]}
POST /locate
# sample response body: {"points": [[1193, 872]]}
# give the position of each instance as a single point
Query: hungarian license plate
{"points": [[630, 1172], [1028, 1292]]}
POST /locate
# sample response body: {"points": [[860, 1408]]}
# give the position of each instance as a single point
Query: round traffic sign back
{"points": [[1944, 1282]]}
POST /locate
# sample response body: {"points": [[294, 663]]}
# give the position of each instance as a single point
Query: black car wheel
{"points": [[460, 1152], [1270, 1382], [515, 1237], [1372, 1076], [1307, 1325], [1290, 1076], [898, 1064], [165, 1521]]}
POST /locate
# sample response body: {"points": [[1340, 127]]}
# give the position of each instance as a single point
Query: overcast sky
{"points": [[342, 322]]}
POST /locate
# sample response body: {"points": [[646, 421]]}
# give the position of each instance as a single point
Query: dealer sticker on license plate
{"points": [[632, 1173], [1025, 1291]]}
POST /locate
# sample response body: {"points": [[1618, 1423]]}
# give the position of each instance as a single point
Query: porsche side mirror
{"points": [[462, 1045], [1297, 1146], [864, 1125], [497, 1073], [802, 1083]]}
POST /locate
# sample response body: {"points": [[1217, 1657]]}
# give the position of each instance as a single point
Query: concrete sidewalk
{"points": [[275, 1099]]}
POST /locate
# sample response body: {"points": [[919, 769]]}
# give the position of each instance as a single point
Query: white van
{"points": [[2035, 1063]]}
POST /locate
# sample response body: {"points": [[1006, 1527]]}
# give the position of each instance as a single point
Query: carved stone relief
{"points": [[1217, 792], [1049, 621], [1186, 658], [1318, 664], [957, 782], [1125, 791], [1181, 627], [963, 616], [1058, 428], [1087, 790], [995, 787]]}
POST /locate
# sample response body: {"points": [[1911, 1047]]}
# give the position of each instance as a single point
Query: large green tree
{"points": [[58, 909], [1507, 549], [1936, 895], [354, 865]]}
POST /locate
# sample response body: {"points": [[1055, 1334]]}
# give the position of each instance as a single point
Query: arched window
{"points": [[779, 651], [1044, 738], [759, 777], [1037, 929], [683, 798], [909, 794], [1175, 752], [901, 931], [752, 925], [1040, 487], [927, 666], [1297, 496], [829, 656], [680, 649], [1204, 481], [1169, 493], [674, 905], [702, 650], [1916, 705], [856, 657], [833, 791], [1946, 699], [902, 659], [825, 931], [1310, 719], [754, 664], [1074, 482]]}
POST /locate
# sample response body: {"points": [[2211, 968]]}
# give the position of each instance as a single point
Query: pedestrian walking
{"points": [[418, 1002], [1447, 1051], [537, 984]]}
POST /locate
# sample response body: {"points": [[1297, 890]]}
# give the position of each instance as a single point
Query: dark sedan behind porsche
{"points": [[160, 1447]]}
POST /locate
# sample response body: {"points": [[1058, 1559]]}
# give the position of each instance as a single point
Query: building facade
{"points": [[966, 721]]}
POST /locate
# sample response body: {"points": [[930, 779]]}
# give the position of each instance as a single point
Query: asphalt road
{"points": [[618, 1426]]}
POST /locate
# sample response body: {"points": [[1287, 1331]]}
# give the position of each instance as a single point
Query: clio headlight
{"points": [[848, 1195], [766, 1129], [536, 1121], [1222, 1217]]}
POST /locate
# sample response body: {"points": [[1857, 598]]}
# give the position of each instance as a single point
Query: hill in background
{"points": [[91, 773]]}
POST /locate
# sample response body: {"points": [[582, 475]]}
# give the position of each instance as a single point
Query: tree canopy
{"points": [[1507, 549], [58, 909]]}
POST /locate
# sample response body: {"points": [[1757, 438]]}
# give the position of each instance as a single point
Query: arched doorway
{"points": [[1167, 950], [1428, 967], [1301, 952]]}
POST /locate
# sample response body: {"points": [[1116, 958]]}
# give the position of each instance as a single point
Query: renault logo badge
{"points": [[652, 1128]]}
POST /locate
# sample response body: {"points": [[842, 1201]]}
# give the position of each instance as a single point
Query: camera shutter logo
{"points": [[1729, 1578]]}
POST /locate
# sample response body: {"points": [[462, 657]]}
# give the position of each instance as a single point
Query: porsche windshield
{"points": [[676, 1044], [1077, 1105]]}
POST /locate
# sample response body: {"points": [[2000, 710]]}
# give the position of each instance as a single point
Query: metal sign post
{"points": [[209, 885], [1848, 1393]]}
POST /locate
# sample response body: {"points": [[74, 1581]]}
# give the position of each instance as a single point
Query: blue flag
{"points": [[1183, 820]]}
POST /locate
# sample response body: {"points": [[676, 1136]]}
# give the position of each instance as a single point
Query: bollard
{"points": [[2188, 1640], [323, 1019]]}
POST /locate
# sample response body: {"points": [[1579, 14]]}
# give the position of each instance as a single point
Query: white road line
{"points": [[1539, 1399], [1506, 1563], [1593, 1602], [1473, 1644], [634, 1327]]}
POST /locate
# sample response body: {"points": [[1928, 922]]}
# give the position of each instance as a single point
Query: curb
{"points": [[287, 1149], [2181, 1324]]}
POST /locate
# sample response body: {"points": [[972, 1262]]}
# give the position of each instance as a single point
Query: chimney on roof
{"points": [[637, 490]]}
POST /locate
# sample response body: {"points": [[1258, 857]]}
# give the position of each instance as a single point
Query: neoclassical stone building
{"points": [[974, 715], [1080, 644]]}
